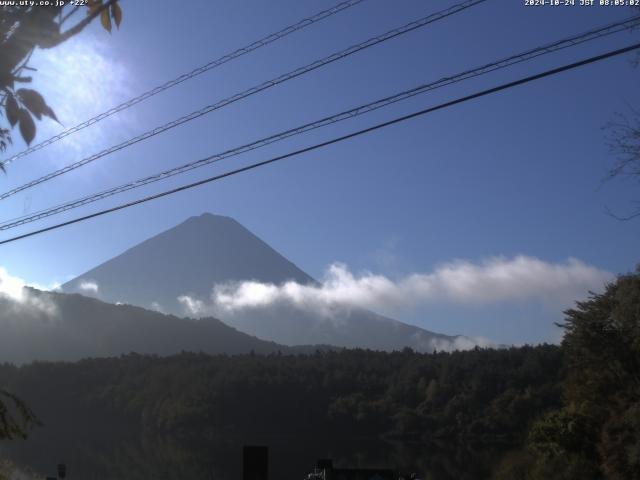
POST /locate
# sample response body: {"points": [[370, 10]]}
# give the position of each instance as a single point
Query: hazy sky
{"points": [[517, 173]]}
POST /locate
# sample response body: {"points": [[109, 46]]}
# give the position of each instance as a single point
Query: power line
{"points": [[252, 91], [360, 110], [378, 126], [187, 76]]}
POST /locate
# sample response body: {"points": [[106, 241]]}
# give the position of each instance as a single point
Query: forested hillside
{"points": [[51, 326], [471, 402]]}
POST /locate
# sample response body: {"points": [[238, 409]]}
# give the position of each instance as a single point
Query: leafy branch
{"points": [[22, 29]]}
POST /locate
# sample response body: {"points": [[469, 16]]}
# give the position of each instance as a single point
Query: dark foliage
{"points": [[597, 432], [466, 402]]}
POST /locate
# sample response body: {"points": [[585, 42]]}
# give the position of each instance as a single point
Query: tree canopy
{"points": [[596, 433]]}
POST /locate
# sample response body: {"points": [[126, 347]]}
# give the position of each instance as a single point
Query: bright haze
{"points": [[484, 220]]}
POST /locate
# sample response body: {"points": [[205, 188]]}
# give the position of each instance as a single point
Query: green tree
{"points": [[602, 341], [603, 347], [597, 432]]}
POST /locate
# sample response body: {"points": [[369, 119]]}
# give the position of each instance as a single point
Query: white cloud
{"points": [[157, 307], [88, 286], [425, 342], [458, 343], [12, 287], [493, 281], [21, 298], [193, 306]]}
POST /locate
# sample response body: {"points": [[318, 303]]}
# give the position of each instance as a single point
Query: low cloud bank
{"points": [[493, 281], [457, 343], [18, 298]]}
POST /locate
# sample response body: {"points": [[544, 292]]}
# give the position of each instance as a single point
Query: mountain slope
{"points": [[188, 258], [55, 326], [353, 327], [203, 251]]}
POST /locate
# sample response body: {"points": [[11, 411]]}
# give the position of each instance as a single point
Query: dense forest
{"points": [[481, 400], [568, 411]]}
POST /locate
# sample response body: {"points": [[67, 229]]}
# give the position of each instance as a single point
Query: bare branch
{"points": [[623, 139], [622, 218]]}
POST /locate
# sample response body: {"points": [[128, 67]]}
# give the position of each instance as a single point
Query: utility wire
{"points": [[317, 146], [354, 112], [187, 76], [252, 91]]}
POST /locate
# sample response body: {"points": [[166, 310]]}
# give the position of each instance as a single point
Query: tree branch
{"points": [[622, 218], [77, 28], [69, 15]]}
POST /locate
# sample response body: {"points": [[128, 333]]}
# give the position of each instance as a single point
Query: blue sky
{"points": [[516, 173]]}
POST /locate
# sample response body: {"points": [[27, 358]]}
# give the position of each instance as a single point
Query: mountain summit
{"points": [[186, 259], [208, 250]]}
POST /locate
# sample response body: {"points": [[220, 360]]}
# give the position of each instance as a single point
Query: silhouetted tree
{"points": [[597, 432]]}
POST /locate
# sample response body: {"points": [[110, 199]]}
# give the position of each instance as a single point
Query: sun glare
{"points": [[80, 79]]}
